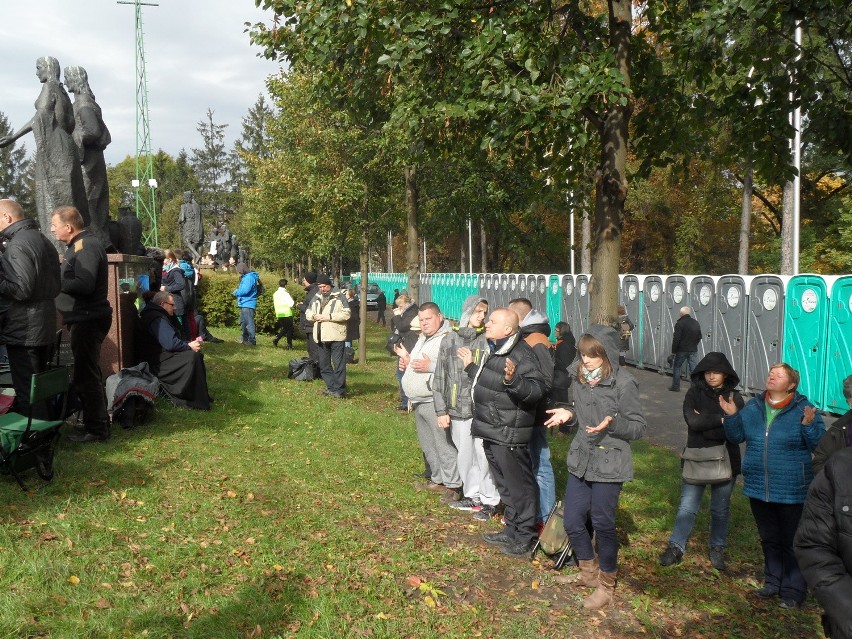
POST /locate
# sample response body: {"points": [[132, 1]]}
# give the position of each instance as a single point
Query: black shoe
{"points": [[498, 538], [717, 558], [674, 390], [213, 340], [673, 555], [518, 549], [789, 604], [766, 591], [87, 438]]}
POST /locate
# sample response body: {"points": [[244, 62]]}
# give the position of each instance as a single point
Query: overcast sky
{"points": [[196, 52]]}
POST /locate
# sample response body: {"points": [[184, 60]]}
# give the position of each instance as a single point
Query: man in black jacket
{"points": [[687, 335], [29, 282], [507, 387], [310, 284], [88, 315], [823, 543]]}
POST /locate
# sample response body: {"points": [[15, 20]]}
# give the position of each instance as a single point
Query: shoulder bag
{"points": [[710, 465]]}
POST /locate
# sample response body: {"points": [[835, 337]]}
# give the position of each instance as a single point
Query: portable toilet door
{"points": [[838, 364], [522, 286], [676, 296], [512, 290], [554, 304], [482, 285], [806, 312], [765, 329], [654, 353], [702, 300], [503, 290], [426, 287], [582, 297], [569, 304], [485, 290], [732, 321], [631, 301]]}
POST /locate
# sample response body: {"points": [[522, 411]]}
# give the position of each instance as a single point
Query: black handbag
{"points": [[393, 339], [710, 465]]}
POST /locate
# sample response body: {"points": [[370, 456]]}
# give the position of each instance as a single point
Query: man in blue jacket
{"points": [[246, 294]]}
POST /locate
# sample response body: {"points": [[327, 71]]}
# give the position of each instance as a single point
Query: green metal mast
{"points": [[145, 185]]}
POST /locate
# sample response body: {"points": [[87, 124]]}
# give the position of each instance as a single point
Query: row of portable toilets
{"points": [[756, 320]]}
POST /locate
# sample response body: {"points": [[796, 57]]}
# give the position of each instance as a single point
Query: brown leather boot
{"points": [[587, 577], [602, 597]]}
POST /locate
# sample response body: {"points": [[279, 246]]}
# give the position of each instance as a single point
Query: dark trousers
{"points": [[285, 328], [681, 358], [600, 500], [332, 364], [380, 317], [511, 469], [776, 525], [87, 383], [312, 345], [24, 361]]}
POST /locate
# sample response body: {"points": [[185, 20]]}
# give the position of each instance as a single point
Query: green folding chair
{"points": [[26, 442]]}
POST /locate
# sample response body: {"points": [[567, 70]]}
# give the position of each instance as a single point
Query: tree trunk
{"points": [[412, 255], [586, 242], [745, 221], [787, 229], [483, 247], [611, 178], [362, 324]]}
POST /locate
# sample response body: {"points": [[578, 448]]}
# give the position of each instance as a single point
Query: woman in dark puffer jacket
{"points": [[713, 376]]}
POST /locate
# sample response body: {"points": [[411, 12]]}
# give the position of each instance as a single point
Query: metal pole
{"points": [[424, 255], [797, 161], [572, 239], [469, 245]]}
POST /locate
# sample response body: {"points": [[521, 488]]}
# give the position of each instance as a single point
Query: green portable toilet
{"points": [[838, 364], [806, 310], [554, 304]]}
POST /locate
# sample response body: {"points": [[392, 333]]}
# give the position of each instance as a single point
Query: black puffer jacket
{"points": [[701, 408], [687, 335], [29, 282], [823, 543], [505, 413]]}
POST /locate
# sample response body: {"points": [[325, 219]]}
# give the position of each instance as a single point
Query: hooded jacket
{"points": [[334, 305], [535, 329], [823, 543], [605, 456], [504, 413], [418, 386], [837, 437], [701, 408], [450, 384], [29, 282], [175, 283], [246, 291], [777, 463]]}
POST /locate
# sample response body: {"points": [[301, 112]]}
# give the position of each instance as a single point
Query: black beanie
{"points": [[311, 277], [324, 279]]}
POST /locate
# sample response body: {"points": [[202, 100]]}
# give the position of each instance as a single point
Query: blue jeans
{"points": [[247, 325], [540, 455], [690, 502], [691, 359], [601, 500]]}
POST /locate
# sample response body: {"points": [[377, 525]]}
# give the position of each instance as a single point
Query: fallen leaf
{"points": [[74, 580], [414, 582], [102, 603]]}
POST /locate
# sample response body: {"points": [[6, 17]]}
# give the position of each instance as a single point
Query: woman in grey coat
{"points": [[607, 412]]}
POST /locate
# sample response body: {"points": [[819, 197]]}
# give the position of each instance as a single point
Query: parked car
{"points": [[373, 292]]}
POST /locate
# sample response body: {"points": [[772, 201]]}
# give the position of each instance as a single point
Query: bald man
{"points": [[685, 340], [29, 282], [507, 386]]}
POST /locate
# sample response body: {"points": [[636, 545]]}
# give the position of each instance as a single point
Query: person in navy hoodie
{"points": [[246, 294]]}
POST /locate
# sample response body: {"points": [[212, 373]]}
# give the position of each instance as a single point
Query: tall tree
{"points": [[254, 142], [211, 164], [16, 173]]}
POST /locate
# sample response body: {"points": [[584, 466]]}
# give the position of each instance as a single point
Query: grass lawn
{"points": [[283, 513]]}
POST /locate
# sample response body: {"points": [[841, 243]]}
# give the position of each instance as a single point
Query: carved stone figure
{"points": [[191, 229], [92, 137], [129, 232], [58, 176]]}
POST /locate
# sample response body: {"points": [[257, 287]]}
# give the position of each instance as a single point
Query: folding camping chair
{"points": [[26, 442], [553, 541]]}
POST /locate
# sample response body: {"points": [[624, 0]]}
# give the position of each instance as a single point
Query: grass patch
{"points": [[283, 513]]}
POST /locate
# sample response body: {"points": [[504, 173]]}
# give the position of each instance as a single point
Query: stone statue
{"points": [[92, 137], [58, 176], [242, 256], [191, 229], [129, 232]]}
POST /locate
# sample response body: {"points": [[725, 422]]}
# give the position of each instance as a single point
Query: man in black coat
{"points": [[687, 335], [507, 387], [310, 284], [88, 315], [29, 282], [823, 543]]}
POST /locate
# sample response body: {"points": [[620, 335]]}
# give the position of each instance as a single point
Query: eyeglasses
{"points": [[169, 303]]}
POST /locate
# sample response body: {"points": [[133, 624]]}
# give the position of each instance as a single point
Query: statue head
{"points": [[47, 68], [77, 80], [187, 197]]}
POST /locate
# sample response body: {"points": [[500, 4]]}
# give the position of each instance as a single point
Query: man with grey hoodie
{"points": [[418, 369], [454, 408]]}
